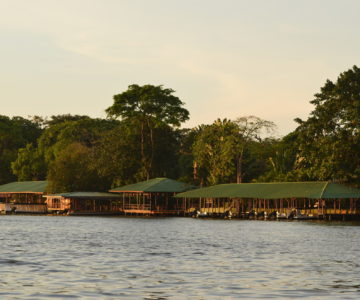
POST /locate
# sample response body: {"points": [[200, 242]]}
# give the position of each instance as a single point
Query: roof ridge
{"points": [[323, 190]]}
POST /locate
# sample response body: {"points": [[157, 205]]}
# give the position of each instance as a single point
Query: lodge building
{"points": [[163, 196], [323, 200], [84, 203], [153, 197], [23, 197]]}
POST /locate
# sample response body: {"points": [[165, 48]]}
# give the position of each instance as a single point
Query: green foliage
{"points": [[85, 131], [329, 139], [29, 165], [72, 171], [15, 133], [80, 153], [82, 133], [116, 155], [57, 119], [149, 102], [148, 108], [250, 129], [214, 150], [228, 151], [120, 147], [166, 152], [255, 159], [186, 138], [281, 159]]}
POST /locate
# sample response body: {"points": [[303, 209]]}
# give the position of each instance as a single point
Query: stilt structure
{"points": [[85, 203], [297, 200], [153, 197], [23, 197]]}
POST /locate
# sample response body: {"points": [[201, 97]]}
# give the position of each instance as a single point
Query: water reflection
{"points": [[176, 258]]}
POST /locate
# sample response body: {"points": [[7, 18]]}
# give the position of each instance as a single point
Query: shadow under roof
{"points": [[91, 195]]}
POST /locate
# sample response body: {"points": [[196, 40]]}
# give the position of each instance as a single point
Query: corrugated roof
{"points": [[92, 195], [275, 190], [24, 187], [156, 185]]}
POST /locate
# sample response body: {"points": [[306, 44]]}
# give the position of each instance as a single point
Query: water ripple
{"points": [[176, 258]]}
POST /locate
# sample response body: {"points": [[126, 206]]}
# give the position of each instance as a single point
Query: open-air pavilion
{"points": [[23, 197], [317, 199], [85, 203], [153, 197]]}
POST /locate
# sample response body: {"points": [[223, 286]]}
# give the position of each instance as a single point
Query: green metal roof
{"points": [[92, 195], [335, 190], [275, 190], [156, 185], [24, 187]]}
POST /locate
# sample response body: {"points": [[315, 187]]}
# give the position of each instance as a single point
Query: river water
{"points": [[176, 258]]}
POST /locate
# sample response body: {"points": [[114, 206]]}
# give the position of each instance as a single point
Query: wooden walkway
{"points": [[152, 212]]}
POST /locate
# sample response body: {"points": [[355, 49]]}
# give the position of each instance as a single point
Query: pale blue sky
{"points": [[224, 58]]}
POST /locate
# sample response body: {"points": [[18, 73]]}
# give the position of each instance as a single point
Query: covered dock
{"points": [[153, 197], [287, 199], [23, 197], [85, 203]]}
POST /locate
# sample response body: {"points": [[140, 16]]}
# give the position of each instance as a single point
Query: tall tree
{"points": [[148, 107], [329, 139], [228, 151], [250, 129], [214, 150]]}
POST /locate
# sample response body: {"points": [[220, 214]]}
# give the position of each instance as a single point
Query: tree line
{"points": [[141, 138]]}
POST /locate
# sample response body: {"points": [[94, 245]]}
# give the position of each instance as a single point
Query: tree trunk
{"points": [[143, 157], [239, 167], [195, 171], [152, 148]]}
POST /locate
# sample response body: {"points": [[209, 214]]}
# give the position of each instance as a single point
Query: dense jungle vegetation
{"points": [[142, 138]]}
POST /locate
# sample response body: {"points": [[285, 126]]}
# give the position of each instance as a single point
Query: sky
{"points": [[224, 59]]}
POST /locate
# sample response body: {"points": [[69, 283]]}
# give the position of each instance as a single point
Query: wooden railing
{"points": [[137, 206]]}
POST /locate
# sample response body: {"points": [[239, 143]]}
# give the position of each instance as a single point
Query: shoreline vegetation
{"points": [[141, 140]]}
